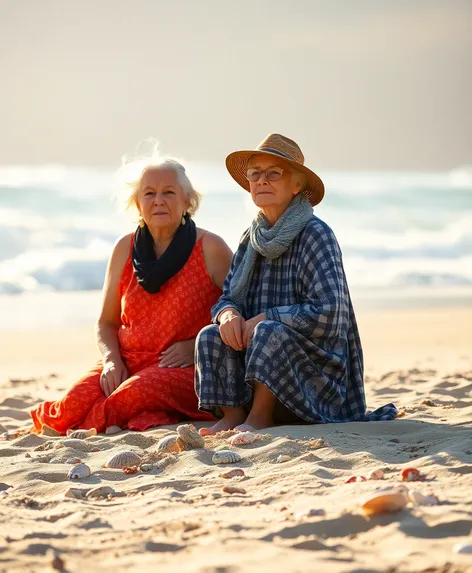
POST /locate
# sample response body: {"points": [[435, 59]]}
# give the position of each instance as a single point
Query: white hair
{"points": [[132, 172]]}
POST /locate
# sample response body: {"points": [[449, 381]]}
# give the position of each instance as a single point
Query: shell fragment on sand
{"points": [[189, 435], [233, 473], [75, 493], [102, 491], [242, 439], [123, 459], [81, 434], [419, 498], [226, 457], [232, 490], [283, 458], [376, 474], [387, 501], [79, 471]]}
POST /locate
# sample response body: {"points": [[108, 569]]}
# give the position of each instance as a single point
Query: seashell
{"points": [[226, 457], [171, 443], [73, 461], [283, 458], [462, 548], [48, 431], [318, 444], [81, 434], [49, 445], [146, 467], [419, 498], [79, 471], [388, 501], [232, 473], [230, 489], [130, 470], [76, 444], [123, 459], [100, 491], [55, 461], [112, 430], [354, 479], [242, 439], [189, 435], [75, 493], [376, 474], [411, 474]]}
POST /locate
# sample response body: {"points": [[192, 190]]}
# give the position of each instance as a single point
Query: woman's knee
{"points": [[207, 337]]}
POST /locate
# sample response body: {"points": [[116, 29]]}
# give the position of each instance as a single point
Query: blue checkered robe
{"points": [[307, 351]]}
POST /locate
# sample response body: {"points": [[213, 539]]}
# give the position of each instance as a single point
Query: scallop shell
{"points": [[385, 502], [242, 439], [189, 435], [376, 474], [419, 498], [81, 434], [76, 444], [171, 443], [233, 473], [124, 459], [79, 471], [226, 457]]}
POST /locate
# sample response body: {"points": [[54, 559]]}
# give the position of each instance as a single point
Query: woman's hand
{"points": [[231, 328], [113, 374], [178, 355], [249, 326]]}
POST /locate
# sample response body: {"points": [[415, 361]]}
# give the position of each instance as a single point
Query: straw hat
{"points": [[282, 148]]}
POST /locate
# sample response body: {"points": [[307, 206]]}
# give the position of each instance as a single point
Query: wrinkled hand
{"points": [[249, 327], [178, 355], [113, 374], [231, 328]]}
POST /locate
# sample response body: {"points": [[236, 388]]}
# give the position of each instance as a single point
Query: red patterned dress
{"points": [[151, 396]]}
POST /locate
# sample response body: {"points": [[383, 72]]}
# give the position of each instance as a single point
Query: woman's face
{"points": [[271, 194], [161, 201]]}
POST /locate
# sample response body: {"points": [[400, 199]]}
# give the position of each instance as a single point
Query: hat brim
{"points": [[236, 164]]}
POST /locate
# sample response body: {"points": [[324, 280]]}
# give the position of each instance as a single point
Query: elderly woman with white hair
{"points": [[160, 285], [284, 345]]}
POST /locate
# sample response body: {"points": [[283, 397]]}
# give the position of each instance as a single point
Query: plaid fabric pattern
{"points": [[307, 351]]}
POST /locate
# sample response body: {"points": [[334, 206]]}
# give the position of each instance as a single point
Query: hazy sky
{"points": [[360, 84]]}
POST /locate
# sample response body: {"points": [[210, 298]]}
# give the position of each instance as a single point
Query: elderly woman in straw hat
{"points": [[284, 343], [160, 285]]}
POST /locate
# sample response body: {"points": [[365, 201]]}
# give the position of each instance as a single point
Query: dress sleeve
{"points": [[225, 300], [323, 311]]}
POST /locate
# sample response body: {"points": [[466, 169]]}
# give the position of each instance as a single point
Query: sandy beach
{"points": [[296, 515]]}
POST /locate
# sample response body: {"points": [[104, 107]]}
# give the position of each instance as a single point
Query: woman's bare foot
{"points": [[232, 417], [256, 422]]}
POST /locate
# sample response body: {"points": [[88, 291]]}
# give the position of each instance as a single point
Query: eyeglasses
{"points": [[271, 174]]}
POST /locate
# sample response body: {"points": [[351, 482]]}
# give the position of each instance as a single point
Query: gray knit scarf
{"points": [[270, 242]]}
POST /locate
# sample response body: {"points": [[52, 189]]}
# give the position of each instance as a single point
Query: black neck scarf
{"points": [[151, 272]]}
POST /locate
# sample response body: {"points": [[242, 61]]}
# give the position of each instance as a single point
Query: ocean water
{"points": [[397, 231]]}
